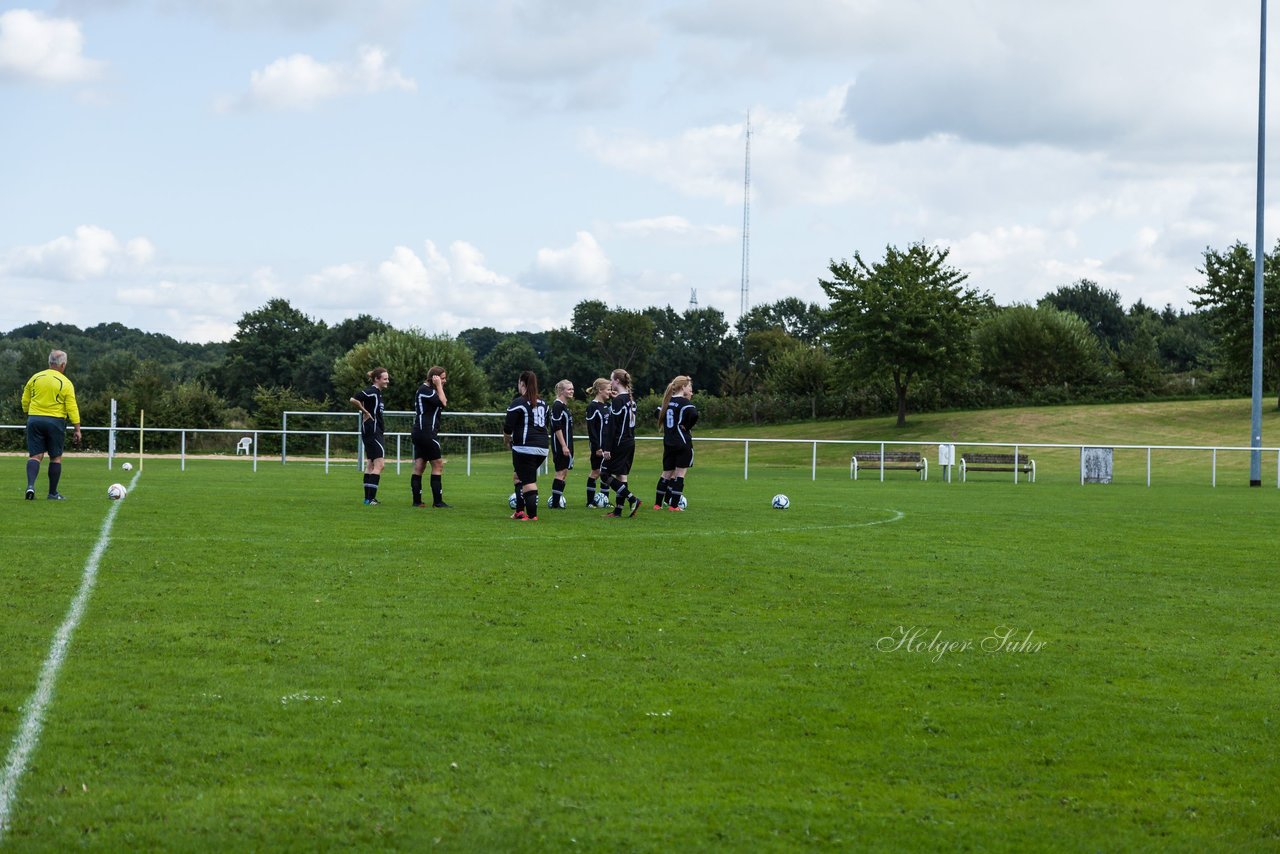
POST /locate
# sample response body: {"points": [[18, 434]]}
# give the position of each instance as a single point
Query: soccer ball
{"points": [[126, 467], [781, 502], [684, 502], [552, 504], [602, 499], [513, 502], [116, 491]]}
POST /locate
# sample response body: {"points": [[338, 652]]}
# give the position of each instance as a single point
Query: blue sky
{"points": [[171, 165]]}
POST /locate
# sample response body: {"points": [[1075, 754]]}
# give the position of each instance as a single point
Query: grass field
{"points": [[266, 664]]}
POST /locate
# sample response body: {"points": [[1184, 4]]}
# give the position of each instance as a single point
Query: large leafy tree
{"points": [[908, 315], [806, 322], [1227, 293], [504, 364], [1026, 348], [408, 355], [1100, 309], [269, 347]]}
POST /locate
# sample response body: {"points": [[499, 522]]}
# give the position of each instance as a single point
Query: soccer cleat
{"points": [[634, 504], [657, 507], [31, 494], [520, 516], [441, 504], [419, 504], [675, 509], [57, 496], [372, 502]]}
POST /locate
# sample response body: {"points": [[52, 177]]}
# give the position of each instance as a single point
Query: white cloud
{"points": [[583, 265], [301, 82], [91, 252], [674, 228], [34, 46]]}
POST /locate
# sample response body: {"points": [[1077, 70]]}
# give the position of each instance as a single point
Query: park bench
{"points": [[998, 462], [891, 460]]}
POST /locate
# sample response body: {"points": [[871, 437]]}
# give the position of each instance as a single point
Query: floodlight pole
{"points": [[1259, 258]]}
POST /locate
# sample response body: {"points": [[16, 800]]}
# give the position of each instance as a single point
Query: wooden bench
{"points": [[892, 460], [998, 462]]}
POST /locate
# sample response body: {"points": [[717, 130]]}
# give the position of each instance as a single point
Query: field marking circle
{"points": [[897, 516]]}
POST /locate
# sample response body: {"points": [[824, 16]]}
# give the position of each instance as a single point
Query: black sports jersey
{"points": [[677, 423], [562, 419], [527, 426], [620, 430], [371, 400], [427, 408], [597, 416]]}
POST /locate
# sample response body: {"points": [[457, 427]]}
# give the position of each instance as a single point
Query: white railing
{"points": [[330, 459]]}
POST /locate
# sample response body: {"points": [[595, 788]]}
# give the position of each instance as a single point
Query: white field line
{"points": [[28, 737]]}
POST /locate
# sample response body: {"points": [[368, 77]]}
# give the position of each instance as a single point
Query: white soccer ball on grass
{"points": [[781, 502], [513, 502], [116, 491], [126, 467]]}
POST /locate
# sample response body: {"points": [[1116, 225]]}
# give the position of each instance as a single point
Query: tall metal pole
{"points": [[746, 226], [1259, 258]]}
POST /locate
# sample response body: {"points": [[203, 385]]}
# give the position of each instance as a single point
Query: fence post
{"points": [[882, 462], [1214, 482], [255, 450], [284, 437], [815, 461], [468, 455], [746, 456], [182, 451], [1148, 468], [1015, 463], [326, 452]]}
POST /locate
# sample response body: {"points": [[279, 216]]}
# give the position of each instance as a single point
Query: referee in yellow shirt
{"points": [[49, 399]]}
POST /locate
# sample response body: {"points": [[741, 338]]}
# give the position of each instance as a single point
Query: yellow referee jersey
{"points": [[51, 393]]}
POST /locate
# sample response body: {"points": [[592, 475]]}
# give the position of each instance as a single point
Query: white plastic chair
{"points": [[244, 446]]}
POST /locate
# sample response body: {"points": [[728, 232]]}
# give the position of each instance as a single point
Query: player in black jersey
{"points": [[525, 433], [678, 416], [369, 402], [619, 446], [597, 416], [428, 402], [561, 442]]}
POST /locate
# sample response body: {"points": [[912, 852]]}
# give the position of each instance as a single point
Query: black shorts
{"points": [[526, 466], [373, 446], [560, 462], [45, 435], [596, 461], [674, 457], [426, 447], [619, 462]]}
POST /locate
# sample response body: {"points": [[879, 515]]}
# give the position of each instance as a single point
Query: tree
{"points": [[806, 322], [625, 339], [1026, 348], [408, 355], [1099, 309], [908, 315], [1228, 294], [505, 362], [803, 371], [267, 345], [481, 340]]}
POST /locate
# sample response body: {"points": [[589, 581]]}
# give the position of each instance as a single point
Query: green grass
{"points": [[267, 664]]}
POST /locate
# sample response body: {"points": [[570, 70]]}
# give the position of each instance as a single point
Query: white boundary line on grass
{"points": [[898, 516], [28, 737]]}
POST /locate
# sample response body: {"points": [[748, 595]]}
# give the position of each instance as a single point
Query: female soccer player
{"points": [[369, 402], [428, 403], [597, 415], [561, 442], [619, 446], [678, 417], [525, 433]]}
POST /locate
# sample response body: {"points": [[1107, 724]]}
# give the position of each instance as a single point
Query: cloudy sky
{"points": [[171, 164]]}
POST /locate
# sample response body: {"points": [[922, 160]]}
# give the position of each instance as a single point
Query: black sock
{"points": [[33, 472], [415, 486], [557, 493], [531, 503], [437, 489], [675, 491], [622, 497], [591, 492], [663, 486], [371, 486], [55, 475]]}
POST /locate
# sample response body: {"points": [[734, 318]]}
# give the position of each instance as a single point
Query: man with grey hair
{"points": [[49, 399]]}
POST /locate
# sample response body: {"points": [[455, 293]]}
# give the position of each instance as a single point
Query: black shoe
{"points": [[57, 496], [31, 494], [634, 504], [441, 504]]}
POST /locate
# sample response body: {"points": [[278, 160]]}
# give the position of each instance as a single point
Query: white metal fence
{"points": [[343, 447]]}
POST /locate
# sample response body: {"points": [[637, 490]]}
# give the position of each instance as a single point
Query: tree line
{"points": [[904, 332]]}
